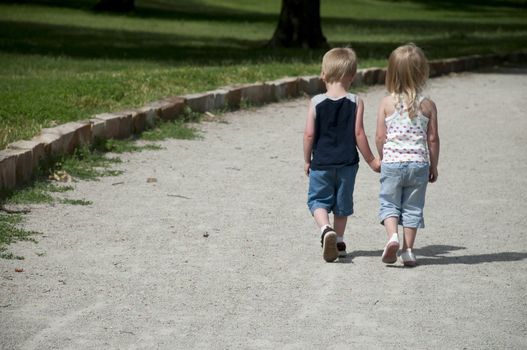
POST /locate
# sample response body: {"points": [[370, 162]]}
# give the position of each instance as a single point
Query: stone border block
{"points": [[470, 63], [169, 108], [116, 125], [284, 88], [51, 142], [16, 167], [38, 152], [23, 165], [146, 117], [311, 84], [370, 76], [381, 76], [257, 93], [106, 124], [517, 57], [220, 98], [72, 135], [7, 169], [233, 97], [359, 78], [436, 68], [98, 129], [125, 124], [139, 120], [200, 103]]}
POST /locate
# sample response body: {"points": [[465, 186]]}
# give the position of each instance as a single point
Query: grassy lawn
{"points": [[59, 61]]}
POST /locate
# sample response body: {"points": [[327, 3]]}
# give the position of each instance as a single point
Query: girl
{"points": [[407, 140]]}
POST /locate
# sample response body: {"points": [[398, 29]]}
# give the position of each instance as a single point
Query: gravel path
{"points": [[221, 252]]}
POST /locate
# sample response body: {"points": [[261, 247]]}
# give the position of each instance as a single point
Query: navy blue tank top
{"points": [[334, 145]]}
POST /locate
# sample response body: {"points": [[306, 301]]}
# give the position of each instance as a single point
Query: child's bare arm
{"points": [[380, 134], [362, 140], [432, 139], [309, 134]]}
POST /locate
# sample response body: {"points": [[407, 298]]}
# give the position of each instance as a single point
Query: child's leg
{"points": [[409, 237], [407, 256], [391, 225], [340, 227], [413, 203], [321, 217], [340, 224]]}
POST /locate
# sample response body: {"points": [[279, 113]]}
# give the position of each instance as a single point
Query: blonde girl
{"points": [[407, 140]]}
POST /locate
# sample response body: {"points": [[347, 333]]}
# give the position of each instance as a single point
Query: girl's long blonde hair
{"points": [[406, 76]]}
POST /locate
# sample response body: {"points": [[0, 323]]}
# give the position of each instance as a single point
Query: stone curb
{"points": [[20, 159]]}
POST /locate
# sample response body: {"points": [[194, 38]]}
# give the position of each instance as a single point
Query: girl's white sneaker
{"points": [[408, 258], [389, 255]]}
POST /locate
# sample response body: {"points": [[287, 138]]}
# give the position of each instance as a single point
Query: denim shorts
{"points": [[403, 189], [332, 189]]}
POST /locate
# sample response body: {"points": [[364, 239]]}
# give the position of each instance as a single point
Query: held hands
{"points": [[375, 165]]}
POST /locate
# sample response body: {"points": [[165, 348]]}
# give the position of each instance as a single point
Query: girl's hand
{"points": [[306, 168], [432, 176], [375, 165]]}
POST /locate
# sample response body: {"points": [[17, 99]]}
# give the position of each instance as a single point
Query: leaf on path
{"points": [[18, 269], [151, 180], [60, 176]]}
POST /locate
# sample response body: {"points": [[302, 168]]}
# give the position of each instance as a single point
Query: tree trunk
{"points": [[115, 5], [299, 25]]}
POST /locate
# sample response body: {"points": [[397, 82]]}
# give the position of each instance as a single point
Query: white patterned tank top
{"points": [[406, 139]]}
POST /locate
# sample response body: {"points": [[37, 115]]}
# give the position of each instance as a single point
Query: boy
{"points": [[334, 130]]}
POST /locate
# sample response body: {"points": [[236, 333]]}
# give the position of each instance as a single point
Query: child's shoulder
{"points": [[353, 97], [387, 105], [315, 100], [428, 107], [388, 99]]}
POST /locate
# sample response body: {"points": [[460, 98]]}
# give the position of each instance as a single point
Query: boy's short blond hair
{"points": [[337, 63]]}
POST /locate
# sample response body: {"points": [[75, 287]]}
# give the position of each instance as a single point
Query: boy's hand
{"points": [[432, 177], [375, 165], [306, 168]]}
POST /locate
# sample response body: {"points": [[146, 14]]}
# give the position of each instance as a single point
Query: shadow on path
{"points": [[435, 255]]}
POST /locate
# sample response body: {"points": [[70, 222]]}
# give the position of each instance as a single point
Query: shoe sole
{"points": [[410, 263], [342, 254], [329, 249], [390, 255]]}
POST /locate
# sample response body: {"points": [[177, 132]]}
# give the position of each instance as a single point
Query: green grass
{"points": [[76, 202], [9, 233], [59, 61]]}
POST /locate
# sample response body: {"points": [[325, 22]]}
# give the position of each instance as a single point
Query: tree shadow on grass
{"points": [[198, 11], [82, 42], [438, 255], [472, 4]]}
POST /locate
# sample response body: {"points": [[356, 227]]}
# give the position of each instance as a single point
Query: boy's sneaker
{"points": [[389, 255], [329, 244], [408, 258], [341, 247]]}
